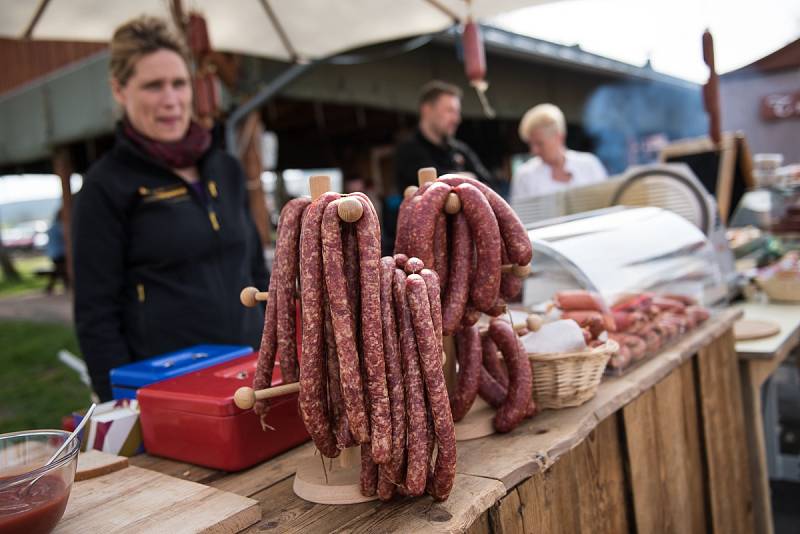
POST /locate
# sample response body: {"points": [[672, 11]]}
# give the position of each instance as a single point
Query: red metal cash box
{"points": [[192, 418]]}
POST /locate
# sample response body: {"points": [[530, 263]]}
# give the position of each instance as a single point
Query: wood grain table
{"points": [[758, 361], [660, 449]]}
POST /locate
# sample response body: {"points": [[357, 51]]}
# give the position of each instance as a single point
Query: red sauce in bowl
{"points": [[36, 510]]}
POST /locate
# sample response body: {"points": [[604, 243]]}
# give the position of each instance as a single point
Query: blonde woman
{"points": [[163, 238], [553, 167]]}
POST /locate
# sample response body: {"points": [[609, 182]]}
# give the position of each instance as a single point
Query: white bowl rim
{"points": [[72, 451]]}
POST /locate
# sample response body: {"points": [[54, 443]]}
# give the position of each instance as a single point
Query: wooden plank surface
{"points": [[751, 380], [726, 456], [787, 316], [283, 511], [583, 492], [141, 500], [666, 473], [94, 463]]}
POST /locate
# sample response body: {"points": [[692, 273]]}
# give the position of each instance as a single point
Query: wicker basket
{"points": [[783, 287], [569, 379]]}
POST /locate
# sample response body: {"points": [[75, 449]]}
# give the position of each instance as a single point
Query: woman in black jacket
{"points": [[162, 233]]}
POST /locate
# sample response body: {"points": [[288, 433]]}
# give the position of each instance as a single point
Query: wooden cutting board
{"points": [[94, 463], [746, 329], [139, 500]]}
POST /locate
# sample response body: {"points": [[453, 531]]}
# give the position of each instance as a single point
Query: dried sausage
{"points": [[515, 406], [390, 473], [430, 350], [369, 258], [492, 362], [578, 299], [400, 260], [423, 225], [440, 252], [312, 399], [468, 352], [266, 352], [434, 297], [341, 315], [485, 286], [341, 428], [368, 481], [413, 265], [416, 420], [285, 270], [518, 244], [457, 292]]}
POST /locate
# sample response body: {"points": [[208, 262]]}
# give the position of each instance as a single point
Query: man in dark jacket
{"points": [[432, 145], [159, 262]]}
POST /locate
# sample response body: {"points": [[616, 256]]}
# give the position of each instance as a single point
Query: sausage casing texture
{"points": [[414, 389], [468, 351], [368, 480], [391, 473], [400, 260], [515, 407], [423, 224], [341, 427], [492, 362], [285, 269], [457, 292], [518, 244], [413, 265], [351, 273], [578, 299], [485, 286], [313, 396], [341, 315], [430, 350], [266, 353], [434, 296], [440, 251], [369, 258], [510, 284]]}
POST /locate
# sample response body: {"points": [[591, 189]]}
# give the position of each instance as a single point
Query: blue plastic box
{"points": [[127, 379]]}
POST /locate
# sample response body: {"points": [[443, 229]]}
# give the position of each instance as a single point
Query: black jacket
{"points": [[418, 152], [159, 266]]}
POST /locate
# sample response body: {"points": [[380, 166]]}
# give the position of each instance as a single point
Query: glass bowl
{"points": [[37, 508]]}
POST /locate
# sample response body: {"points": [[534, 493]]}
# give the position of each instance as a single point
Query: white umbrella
{"points": [[288, 30]]}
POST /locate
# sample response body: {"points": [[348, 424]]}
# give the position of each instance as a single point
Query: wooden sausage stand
{"points": [[660, 449]]}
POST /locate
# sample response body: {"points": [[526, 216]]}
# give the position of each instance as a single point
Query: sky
{"points": [[668, 32]]}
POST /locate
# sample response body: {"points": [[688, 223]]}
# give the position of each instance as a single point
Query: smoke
{"points": [[631, 122]]}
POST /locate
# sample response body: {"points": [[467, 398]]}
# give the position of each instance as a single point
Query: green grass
{"points": [[27, 266], [36, 389]]}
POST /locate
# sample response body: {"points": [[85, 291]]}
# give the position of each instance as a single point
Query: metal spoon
{"points": [[63, 446]]}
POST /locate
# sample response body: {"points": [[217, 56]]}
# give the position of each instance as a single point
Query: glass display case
{"points": [[618, 251]]}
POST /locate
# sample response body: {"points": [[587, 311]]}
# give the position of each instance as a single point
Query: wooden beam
{"points": [[63, 167]]}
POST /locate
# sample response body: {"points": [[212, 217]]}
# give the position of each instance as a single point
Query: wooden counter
{"points": [[661, 449], [760, 358]]}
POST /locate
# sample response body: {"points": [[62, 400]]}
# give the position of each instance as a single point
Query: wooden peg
{"points": [[425, 175], [452, 205], [250, 296], [520, 271], [350, 209], [409, 191], [245, 398], [319, 184], [533, 322]]}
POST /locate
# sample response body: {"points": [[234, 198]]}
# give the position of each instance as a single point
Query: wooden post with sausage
{"points": [[319, 480]]}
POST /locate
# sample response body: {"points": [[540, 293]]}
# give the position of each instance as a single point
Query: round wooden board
{"points": [[94, 463], [746, 329], [331, 482], [477, 423]]}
